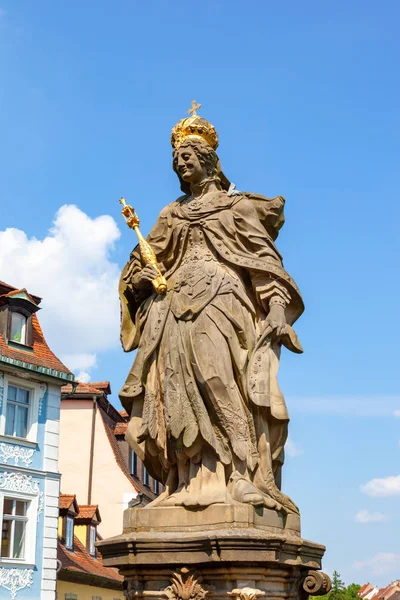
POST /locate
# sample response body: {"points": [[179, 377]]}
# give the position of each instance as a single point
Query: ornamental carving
{"points": [[16, 453], [185, 585], [1, 388], [246, 593], [15, 580], [43, 388], [316, 583], [19, 482]]}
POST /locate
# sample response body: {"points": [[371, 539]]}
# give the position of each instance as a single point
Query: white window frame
{"points": [[30, 529], [33, 411], [71, 545], [92, 547], [24, 328]]}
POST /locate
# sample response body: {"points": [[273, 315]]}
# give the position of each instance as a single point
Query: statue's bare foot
{"points": [[245, 491]]}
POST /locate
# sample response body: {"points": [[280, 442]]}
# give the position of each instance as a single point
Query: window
{"points": [[71, 596], [156, 487], [69, 533], [145, 476], [92, 539], [13, 528], [134, 464], [96, 597], [18, 328], [17, 412]]}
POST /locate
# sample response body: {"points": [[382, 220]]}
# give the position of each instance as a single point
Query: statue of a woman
{"points": [[207, 416]]}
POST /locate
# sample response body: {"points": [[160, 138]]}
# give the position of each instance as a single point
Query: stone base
{"points": [[223, 551]]}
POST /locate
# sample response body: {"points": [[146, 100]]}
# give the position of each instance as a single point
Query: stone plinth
{"points": [[221, 552]]}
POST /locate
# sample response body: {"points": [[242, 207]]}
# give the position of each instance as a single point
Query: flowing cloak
{"points": [[241, 230]]}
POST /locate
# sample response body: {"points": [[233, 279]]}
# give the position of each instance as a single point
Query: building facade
{"points": [[96, 462], [31, 377]]}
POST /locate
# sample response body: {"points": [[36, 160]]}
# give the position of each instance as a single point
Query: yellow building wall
{"points": [[80, 532], [86, 592]]}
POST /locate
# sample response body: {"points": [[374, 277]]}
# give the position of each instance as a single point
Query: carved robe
{"points": [[204, 381]]}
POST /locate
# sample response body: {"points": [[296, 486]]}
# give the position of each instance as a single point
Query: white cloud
{"points": [[83, 377], [80, 361], [381, 563], [71, 269], [384, 487], [364, 516], [396, 412], [292, 449], [358, 406]]}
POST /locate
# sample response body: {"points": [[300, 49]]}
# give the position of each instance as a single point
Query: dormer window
{"points": [[17, 308], [18, 328]]}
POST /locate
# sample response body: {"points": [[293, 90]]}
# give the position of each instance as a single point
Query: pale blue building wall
{"points": [[29, 469]]}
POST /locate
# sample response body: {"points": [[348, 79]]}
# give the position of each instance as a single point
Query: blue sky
{"points": [[305, 98]]}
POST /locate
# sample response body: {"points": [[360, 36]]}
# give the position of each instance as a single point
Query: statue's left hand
{"points": [[276, 321]]}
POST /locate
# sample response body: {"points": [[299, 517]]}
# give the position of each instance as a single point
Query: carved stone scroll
{"points": [[316, 583]]}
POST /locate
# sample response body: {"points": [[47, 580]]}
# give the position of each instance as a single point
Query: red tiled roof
{"points": [[102, 385], [82, 388], [66, 500], [41, 356], [388, 591], [85, 567], [123, 413], [6, 286], [120, 428], [88, 511]]}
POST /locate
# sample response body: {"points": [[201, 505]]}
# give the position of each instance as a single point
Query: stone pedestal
{"points": [[222, 552]]}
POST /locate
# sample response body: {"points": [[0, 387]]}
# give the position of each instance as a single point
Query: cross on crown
{"points": [[195, 107]]}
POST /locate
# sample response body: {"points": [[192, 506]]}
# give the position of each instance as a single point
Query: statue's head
{"points": [[194, 161], [195, 141]]}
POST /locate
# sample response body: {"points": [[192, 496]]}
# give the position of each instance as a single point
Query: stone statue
{"points": [[207, 416]]}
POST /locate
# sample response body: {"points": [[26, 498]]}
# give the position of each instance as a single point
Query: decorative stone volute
{"points": [[316, 583]]}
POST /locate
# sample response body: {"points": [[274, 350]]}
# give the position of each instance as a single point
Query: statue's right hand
{"points": [[144, 278]]}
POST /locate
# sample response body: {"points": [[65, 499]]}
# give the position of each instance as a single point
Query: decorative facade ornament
{"points": [[316, 583], [40, 505], [1, 388], [43, 388], [15, 580], [18, 453], [246, 593], [19, 482], [185, 585]]}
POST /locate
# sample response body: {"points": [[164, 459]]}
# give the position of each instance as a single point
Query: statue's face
{"points": [[188, 165]]}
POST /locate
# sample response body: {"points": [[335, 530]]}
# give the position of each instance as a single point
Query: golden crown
{"points": [[194, 127]]}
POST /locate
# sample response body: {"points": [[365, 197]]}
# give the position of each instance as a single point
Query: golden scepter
{"points": [[147, 252]]}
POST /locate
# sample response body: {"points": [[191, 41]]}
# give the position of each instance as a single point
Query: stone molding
{"points": [[18, 453], [15, 580]]}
